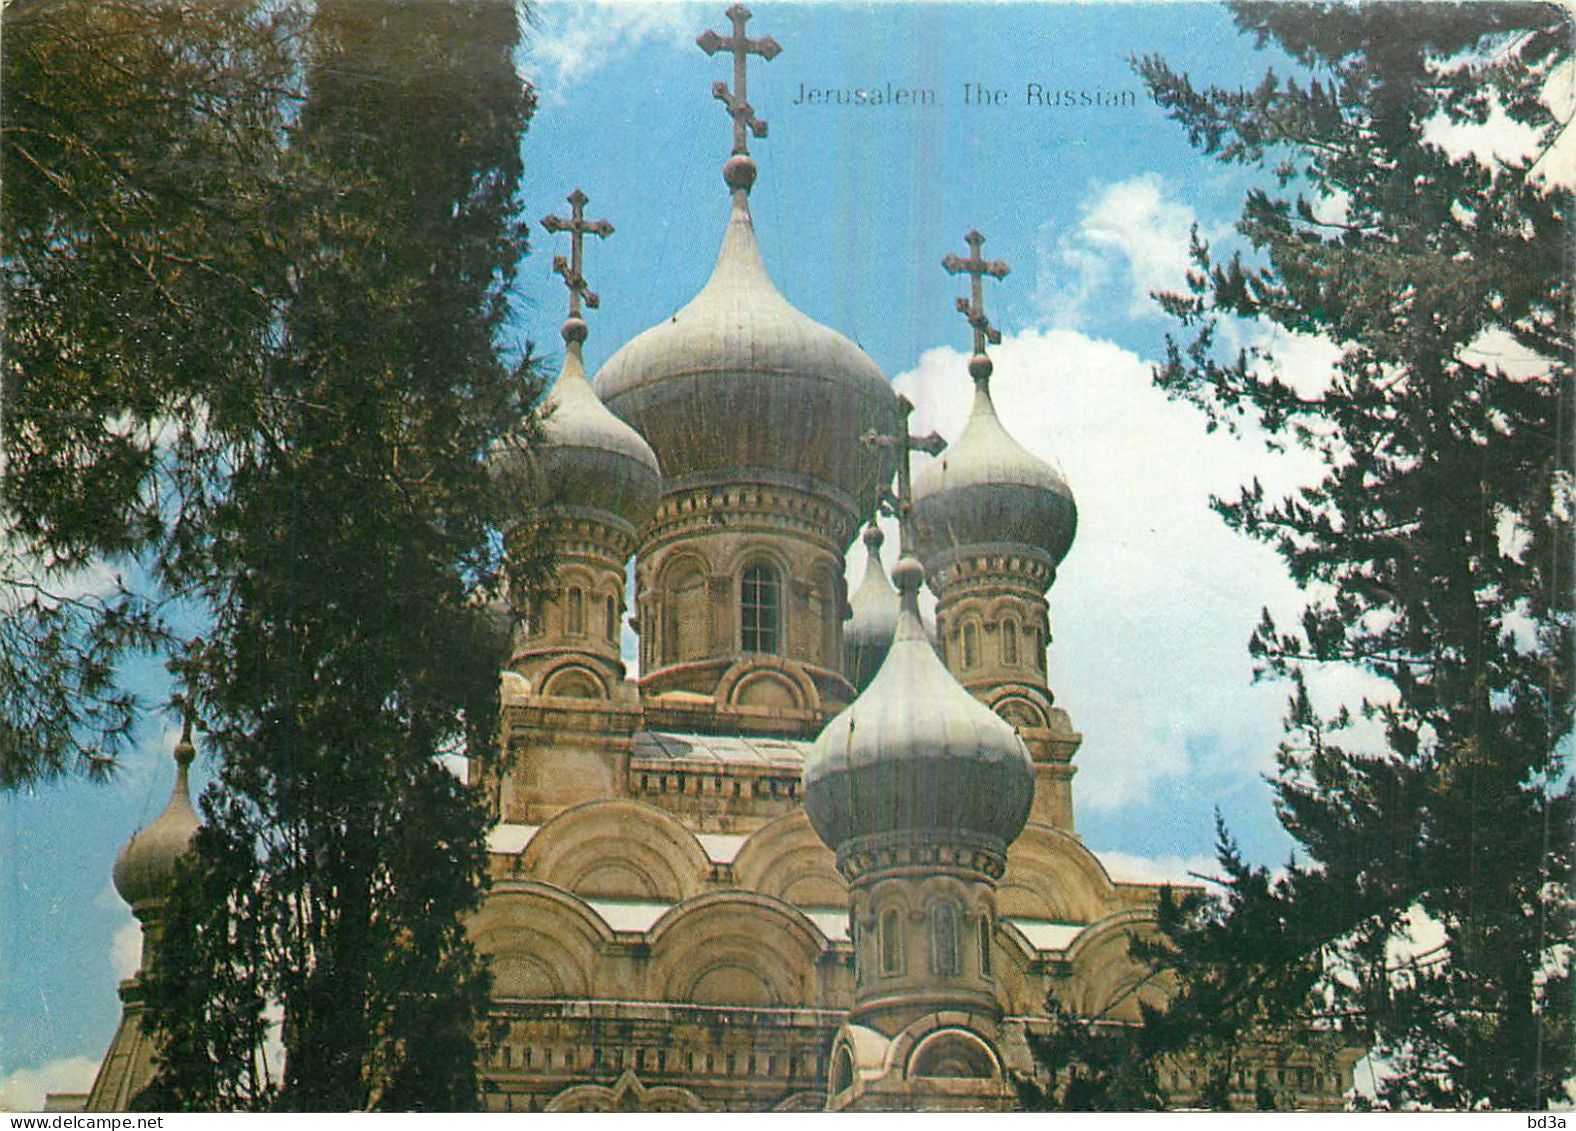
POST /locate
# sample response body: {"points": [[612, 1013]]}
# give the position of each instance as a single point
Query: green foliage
{"points": [[138, 144], [287, 232], [1435, 550]]}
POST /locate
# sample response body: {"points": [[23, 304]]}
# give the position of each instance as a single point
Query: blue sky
{"points": [[855, 208]]}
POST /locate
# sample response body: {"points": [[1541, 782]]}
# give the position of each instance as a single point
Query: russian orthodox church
{"points": [[817, 854]]}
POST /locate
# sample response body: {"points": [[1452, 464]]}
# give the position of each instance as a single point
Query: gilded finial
{"points": [[574, 329], [739, 172], [973, 307]]}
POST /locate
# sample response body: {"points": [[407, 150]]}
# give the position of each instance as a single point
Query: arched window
{"points": [[891, 942], [971, 644], [984, 925], [576, 617], [1009, 642], [944, 939], [1039, 649], [760, 605], [611, 605], [842, 1071]]}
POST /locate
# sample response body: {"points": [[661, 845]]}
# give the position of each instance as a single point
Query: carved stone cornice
{"points": [[1008, 565], [868, 859], [768, 506]]}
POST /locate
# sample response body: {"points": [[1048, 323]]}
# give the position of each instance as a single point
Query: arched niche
{"points": [[735, 949], [539, 942], [615, 848], [953, 1054], [1051, 875], [575, 681], [685, 614], [768, 683], [786, 859]]}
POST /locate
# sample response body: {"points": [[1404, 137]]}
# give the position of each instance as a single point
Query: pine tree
{"points": [[351, 651], [1435, 550], [139, 146], [257, 258]]}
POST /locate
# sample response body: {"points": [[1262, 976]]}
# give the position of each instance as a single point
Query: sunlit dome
{"points": [[987, 492], [145, 868], [916, 753], [739, 382]]}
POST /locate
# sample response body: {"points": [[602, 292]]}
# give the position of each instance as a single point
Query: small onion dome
{"points": [[145, 867], [739, 382], [588, 457], [986, 490], [916, 753], [870, 629]]}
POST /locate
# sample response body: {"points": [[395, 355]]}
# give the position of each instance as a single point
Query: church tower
{"points": [[755, 413], [596, 484], [992, 523], [919, 789], [144, 871]]}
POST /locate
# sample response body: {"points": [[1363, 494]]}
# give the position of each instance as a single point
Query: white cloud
{"points": [[125, 950], [569, 43], [1133, 238], [1155, 603], [25, 1089], [1157, 869]]}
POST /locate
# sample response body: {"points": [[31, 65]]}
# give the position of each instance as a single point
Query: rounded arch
{"points": [[786, 859], [767, 682], [1020, 711], [628, 1093], [735, 948], [1051, 875], [953, 1054], [1106, 981], [575, 681], [620, 848], [539, 942]]}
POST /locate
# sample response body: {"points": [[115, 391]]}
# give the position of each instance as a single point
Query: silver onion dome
{"points": [[987, 491], [917, 754], [874, 607], [739, 382], [145, 867], [589, 458]]}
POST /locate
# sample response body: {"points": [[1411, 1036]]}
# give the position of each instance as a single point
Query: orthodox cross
{"points": [[901, 504], [577, 226], [973, 308], [737, 100]]}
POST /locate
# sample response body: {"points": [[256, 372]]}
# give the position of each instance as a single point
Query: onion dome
{"points": [[739, 382], [987, 490], [869, 631], [589, 457], [917, 754], [145, 868]]}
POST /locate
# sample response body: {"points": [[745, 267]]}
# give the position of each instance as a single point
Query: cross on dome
{"points": [[578, 227], [739, 173], [973, 308], [901, 504]]}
